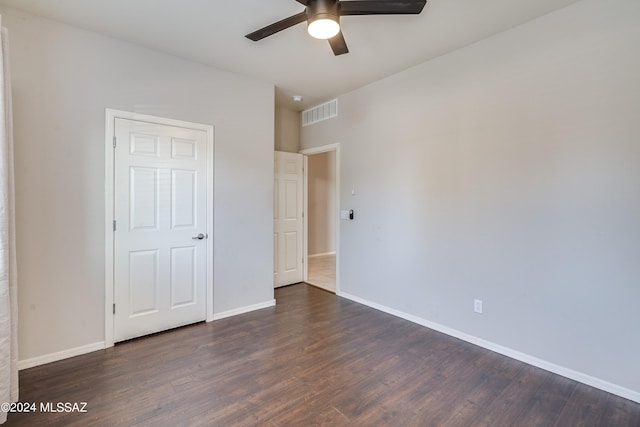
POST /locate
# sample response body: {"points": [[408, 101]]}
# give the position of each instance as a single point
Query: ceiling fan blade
{"points": [[381, 7], [304, 2], [338, 44], [278, 26]]}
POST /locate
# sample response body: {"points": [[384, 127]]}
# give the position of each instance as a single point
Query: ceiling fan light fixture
{"points": [[323, 18], [323, 27]]}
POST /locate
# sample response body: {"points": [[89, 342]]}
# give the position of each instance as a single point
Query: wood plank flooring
{"points": [[314, 359]]}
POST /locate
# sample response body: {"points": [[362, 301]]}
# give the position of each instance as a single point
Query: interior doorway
{"points": [[322, 216]]}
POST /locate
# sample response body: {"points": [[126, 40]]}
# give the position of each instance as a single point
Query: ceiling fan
{"points": [[323, 18]]}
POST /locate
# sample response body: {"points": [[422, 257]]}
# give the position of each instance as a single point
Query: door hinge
{"points": [[114, 225], [114, 309], [114, 141]]}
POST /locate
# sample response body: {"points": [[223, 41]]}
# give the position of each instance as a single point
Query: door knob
{"points": [[199, 237]]}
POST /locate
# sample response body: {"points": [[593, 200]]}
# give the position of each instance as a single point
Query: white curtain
{"points": [[8, 277]]}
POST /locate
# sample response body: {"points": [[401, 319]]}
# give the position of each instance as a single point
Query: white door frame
{"points": [[111, 116], [307, 152]]}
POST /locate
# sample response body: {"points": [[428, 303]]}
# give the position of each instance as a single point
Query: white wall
{"points": [[63, 79], [321, 190], [507, 171]]}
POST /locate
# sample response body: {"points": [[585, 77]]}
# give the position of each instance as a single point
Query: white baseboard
{"points": [[242, 310], [523, 357], [323, 254], [77, 351], [64, 354]]}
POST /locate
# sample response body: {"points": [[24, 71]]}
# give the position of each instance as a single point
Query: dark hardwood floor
{"points": [[314, 359]]}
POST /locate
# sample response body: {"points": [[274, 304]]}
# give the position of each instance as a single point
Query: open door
{"points": [[288, 219]]}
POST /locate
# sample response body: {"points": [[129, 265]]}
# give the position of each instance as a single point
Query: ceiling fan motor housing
{"points": [[323, 9]]}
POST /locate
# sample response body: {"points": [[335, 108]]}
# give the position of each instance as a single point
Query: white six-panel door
{"points": [[160, 249], [288, 222]]}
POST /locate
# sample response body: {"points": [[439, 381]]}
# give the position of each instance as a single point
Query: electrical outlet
{"points": [[477, 306]]}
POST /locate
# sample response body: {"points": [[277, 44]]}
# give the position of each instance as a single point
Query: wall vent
{"points": [[320, 112]]}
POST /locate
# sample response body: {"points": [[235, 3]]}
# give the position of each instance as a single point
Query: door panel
{"points": [[183, 199], [143, 282], [160, 206], [288, 220], [183, 275], [291, 245], [143, 192]]}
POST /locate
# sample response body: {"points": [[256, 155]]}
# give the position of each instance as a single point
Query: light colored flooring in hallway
{"points": [[322, 271]]}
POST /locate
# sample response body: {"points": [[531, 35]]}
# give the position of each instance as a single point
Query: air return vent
{"points": [[320, 112]]}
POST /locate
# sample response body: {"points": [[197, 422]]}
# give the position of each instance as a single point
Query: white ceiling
{"points": [[212, 32]]}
